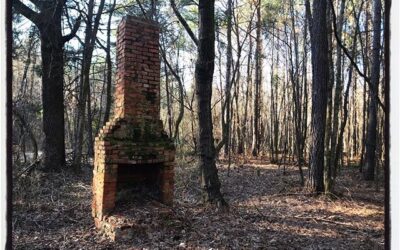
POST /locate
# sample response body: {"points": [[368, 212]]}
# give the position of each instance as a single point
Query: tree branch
{"points": [[74, 29], [178, 78], [26, 12], [347, 53], [141, 8], [37, 3], [184, 23]]}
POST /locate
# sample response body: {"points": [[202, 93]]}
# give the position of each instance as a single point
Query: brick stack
{"points": [[137, 93], [134, 136]]}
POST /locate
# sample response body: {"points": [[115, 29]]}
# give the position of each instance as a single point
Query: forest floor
{"points": [[268, 210]]}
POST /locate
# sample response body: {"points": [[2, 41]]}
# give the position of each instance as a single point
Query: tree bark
{"points": [[109, 66], [337, 103], [331, 81], [319, 51], [204, 71], [228, 82], [167, 95], [388, 4], [242, 144], [366, 72], [52, 98], [369, 166], [257, 83]]}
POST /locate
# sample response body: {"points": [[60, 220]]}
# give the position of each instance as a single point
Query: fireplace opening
{"points": [[137, 182]]}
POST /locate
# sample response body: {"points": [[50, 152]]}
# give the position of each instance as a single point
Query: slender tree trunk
{"points": [[366, 72], [90, 141], [228, 80], [337, 103], [369, 166], [257, 83], [272, 99], [388, 5], [239, 148], [355, 122], [296, 93], [31, 46], [204, 71], [305, 90], [339, 145], [237, 115], [242, 144], [175, 73], [109, 66], [331, 81], [90, 39], [169, 107]]}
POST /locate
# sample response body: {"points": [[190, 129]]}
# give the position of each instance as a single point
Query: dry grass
{"points": [[268, 210]]}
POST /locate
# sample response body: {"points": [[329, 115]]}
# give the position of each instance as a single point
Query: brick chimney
{"points": [[132, 148], [138, 70]]}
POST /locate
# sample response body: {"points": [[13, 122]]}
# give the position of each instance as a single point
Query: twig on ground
{"points": [[29, 168], [292, 194], [323, 220]]}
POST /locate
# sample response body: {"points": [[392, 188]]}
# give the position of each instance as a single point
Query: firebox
{"points": [[132, 150]]}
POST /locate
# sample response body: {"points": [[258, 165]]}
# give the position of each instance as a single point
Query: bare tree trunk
{"points": [[257, 83], [239, 138], [355, 122], [90, 141], [109, 65], [242, 144], [31, 46], [337, 103], [89, 42], [331, 81], [169, 107], [305, 88], [228, 82], [296, 93], [369, 166], [366, 72], [319, 50], [339, 145], [388, 4], [272, 99], [204, 71]]}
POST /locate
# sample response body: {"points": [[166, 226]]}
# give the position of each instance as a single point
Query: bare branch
{"points": [[183, 22], [26, 12], [347, 53], [72, 34], [37, 3], [141, 8]]}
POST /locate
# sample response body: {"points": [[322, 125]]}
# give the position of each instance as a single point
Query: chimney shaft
{"points": [[137, 94]]}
